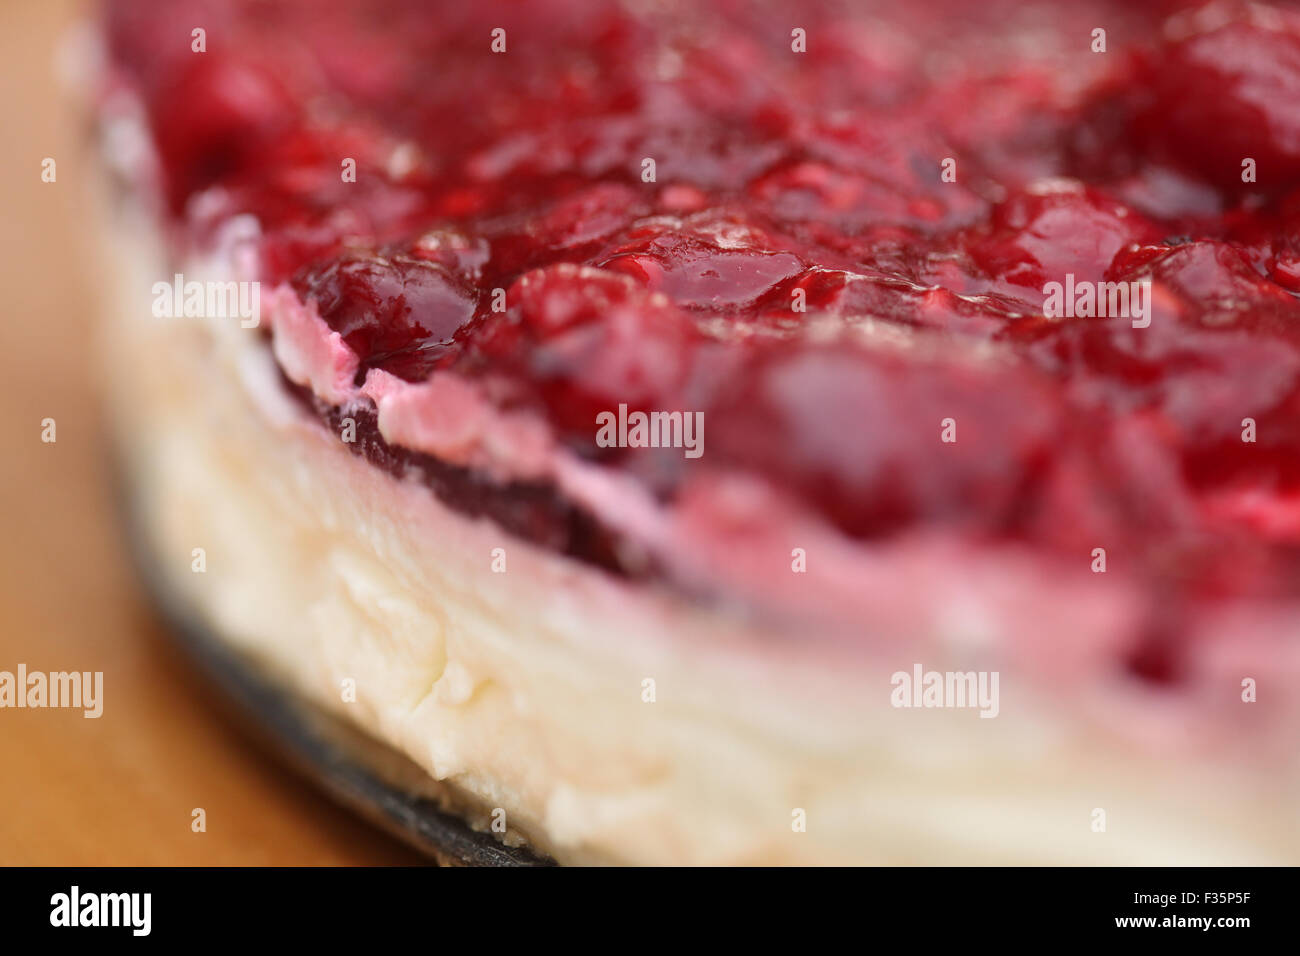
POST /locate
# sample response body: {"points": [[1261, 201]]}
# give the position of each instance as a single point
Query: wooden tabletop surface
{"points": [[119, 789]]}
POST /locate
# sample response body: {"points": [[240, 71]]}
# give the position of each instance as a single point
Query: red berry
{"points": [[1225, 92], [388, 307]]}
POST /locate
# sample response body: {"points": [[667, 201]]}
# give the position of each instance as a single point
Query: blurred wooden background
{"points": [[120, 789]]}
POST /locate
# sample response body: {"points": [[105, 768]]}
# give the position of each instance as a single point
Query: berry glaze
{"points": [[777, 173]]}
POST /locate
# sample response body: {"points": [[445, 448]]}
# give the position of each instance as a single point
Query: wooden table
{"points": [[120, 789]]}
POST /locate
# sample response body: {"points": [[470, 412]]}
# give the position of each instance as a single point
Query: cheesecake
{"points": [[721, 434]]}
